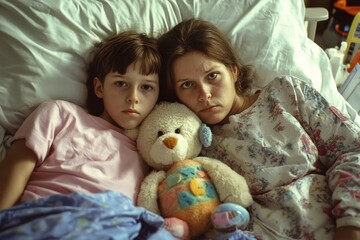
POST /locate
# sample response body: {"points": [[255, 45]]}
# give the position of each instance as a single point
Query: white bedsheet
{"points": [[44, 44]]}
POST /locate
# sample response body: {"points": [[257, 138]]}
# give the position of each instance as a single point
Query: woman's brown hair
{"points": [[115, 54], [201, 36]]}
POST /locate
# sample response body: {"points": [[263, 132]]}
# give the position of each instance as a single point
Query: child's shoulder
{"points": [[61, 104], [60, 107]]}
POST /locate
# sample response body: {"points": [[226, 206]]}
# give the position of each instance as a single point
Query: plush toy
{"points": [[183, 185]]}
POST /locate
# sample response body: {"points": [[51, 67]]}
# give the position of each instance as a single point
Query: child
{"points": [[61, 154], [300, 155], [60, 148]]}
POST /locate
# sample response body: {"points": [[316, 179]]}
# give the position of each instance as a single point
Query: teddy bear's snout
{"points": [[170, 142]]}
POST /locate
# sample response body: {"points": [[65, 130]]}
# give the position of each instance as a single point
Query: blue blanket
{"points": [[107, 215]]}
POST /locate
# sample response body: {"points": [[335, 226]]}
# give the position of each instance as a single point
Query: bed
{"points": [[44, 45]]}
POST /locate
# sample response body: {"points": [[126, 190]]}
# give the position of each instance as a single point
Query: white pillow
{"points": [[44, 44]]}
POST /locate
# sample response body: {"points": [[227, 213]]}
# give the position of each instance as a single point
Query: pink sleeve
{"points": [[40, 128]]}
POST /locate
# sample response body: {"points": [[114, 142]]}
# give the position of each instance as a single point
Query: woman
{"points": [[299, 154]]}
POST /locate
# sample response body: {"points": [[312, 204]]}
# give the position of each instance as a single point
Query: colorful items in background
{"points": [[352, 53], [341, 19]]}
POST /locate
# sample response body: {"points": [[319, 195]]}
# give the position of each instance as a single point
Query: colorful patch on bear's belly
{"points": [[185, 186], [200, 191]]}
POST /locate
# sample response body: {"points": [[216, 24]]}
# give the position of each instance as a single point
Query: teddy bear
{"points": [[184, 185]]}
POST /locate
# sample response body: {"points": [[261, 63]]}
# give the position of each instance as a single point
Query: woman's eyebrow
{"points": [[212, 68]]}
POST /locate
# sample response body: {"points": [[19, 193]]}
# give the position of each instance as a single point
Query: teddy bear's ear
{"points": [[205, 135], [132, 133]]}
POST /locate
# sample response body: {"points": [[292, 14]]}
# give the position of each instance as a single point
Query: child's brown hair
{"points": [[115, 54]]}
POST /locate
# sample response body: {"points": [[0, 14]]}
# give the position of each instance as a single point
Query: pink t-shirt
{"points": [[78, 152]]}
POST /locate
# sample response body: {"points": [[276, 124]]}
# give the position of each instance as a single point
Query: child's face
{"points": [[127, 98]]}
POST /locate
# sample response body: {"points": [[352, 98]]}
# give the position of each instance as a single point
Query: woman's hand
{"points": [[347, 233]]}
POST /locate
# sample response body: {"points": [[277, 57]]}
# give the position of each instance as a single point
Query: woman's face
{"points": [[206, 86]]}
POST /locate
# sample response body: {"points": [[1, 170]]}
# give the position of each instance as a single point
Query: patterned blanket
{"points": [[107, 215]]}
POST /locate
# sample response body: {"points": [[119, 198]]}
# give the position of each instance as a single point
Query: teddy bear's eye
{"points": [[160, 133], [177, 130]]}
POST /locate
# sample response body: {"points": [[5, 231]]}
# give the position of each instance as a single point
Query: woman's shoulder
{"points": [[288, 81], [287, 84]]}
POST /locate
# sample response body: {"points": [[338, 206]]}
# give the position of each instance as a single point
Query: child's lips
{"points": [[132, 112]]}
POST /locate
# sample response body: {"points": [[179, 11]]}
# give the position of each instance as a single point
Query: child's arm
{"points": [[15, 171]]}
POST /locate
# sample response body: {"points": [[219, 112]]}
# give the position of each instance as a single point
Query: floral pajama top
{"points": [[301, 159]]}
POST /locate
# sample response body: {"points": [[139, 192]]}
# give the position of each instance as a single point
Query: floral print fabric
{"points": [[300, 157]]}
